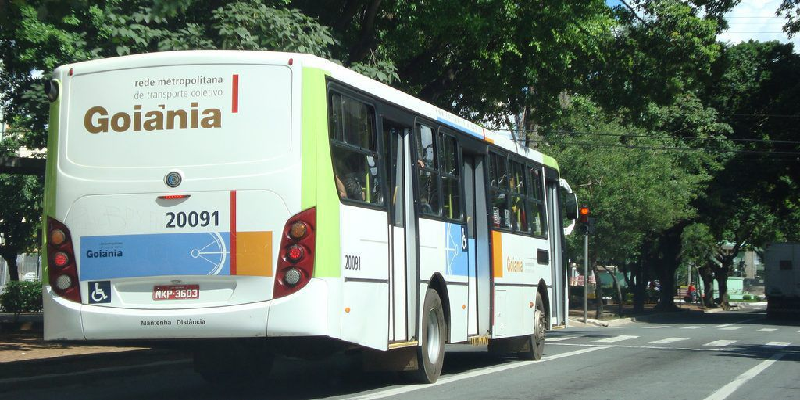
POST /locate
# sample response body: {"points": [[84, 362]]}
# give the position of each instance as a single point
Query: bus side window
{"points": [[499, 187], [427, 167], [519, 197], [354, 150], [451, 189], [538, 222]]}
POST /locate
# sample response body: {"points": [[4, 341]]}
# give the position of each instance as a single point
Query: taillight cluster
{"points": [[296, 256], [62, 268]]}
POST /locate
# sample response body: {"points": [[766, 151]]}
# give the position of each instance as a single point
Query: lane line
{"points": [[560, 339], [768, 330], [616, 339], [669, 340], [730, 328], [472, 374], [740, 380], [766, 348], [690, 327], [778, 344], [719, 343]]}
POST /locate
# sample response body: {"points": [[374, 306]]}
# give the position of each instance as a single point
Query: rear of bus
{"points": [[173, 186]]}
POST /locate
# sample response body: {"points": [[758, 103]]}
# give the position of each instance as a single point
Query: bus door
{"points": [[477, 239], [556, 234], [402, 231]]}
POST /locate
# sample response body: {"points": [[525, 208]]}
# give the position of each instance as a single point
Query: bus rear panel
{"points": [[172, 180]]}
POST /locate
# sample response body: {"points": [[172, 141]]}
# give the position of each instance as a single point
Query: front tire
{"points": [[430, 353], [533, 347]]}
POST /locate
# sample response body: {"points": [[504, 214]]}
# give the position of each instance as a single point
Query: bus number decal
{"points": [[192, 219], [352, 262]]}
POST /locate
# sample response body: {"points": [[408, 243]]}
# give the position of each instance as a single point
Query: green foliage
{"points": [[633, 182], [21, 297], [790, 9], [697, 244]]}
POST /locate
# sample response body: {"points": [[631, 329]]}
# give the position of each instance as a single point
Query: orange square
{"points": [[254, 253]]}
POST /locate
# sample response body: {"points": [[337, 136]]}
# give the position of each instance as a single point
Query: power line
{"points": [[564, 132]]}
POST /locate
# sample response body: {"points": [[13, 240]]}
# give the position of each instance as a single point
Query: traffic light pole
{"points": [[585, 274]]}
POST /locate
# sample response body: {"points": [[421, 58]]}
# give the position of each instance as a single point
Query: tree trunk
{"points": [[670, 246], [708, 286], [616, 290], [598, 292], [640, 288], [722, 283], [11, 262]]}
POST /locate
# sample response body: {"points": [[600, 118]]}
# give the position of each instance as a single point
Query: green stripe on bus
{"points": [[550, 162], [317, 187], [50, 177]]}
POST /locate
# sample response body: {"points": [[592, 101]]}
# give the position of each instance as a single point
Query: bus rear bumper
{"points": [[301, 314]]}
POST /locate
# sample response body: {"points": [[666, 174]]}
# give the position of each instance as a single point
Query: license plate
{"points": [[176, 292]]}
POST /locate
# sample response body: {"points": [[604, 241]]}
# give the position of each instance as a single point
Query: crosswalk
{"points": [[625, 339], [720, 343]]}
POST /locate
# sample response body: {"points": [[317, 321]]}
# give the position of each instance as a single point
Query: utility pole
{"points": [[584, 219]]}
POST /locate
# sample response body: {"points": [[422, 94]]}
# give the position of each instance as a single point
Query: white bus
{"points": [[261, 202]]}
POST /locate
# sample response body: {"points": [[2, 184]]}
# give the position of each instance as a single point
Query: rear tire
{"points": [[534, 344], [430, 353]]}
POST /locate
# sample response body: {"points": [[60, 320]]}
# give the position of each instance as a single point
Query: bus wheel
{"points": [[534, 344], [232, 363], [430, 353]]}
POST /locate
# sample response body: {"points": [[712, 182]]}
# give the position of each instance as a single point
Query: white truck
{"points": [[782, 279]]}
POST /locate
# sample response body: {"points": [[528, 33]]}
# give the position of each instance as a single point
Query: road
{"points": [[730, 355]]}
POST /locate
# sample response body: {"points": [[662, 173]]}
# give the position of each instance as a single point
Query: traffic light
{"points": [[587, 223]]}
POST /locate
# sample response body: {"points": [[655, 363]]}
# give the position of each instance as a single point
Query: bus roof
{"points": [[336, 71]]}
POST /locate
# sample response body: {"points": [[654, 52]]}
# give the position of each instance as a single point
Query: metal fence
{"points": [[29, 266]]}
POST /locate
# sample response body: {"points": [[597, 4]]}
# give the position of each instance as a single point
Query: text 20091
{"points": [[192, 219]]}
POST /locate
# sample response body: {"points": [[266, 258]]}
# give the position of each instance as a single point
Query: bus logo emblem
{"points": [[173, 179]]}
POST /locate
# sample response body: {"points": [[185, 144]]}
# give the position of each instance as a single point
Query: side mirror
{"points": [[571, 206]]}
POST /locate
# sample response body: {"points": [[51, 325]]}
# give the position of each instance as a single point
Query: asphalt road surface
{"points": [[730, 355]]}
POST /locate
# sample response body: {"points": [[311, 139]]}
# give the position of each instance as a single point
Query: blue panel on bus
{"points": [[457, 249], [123, 256], [460, 128]]}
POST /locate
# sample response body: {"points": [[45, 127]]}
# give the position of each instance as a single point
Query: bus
{"points": [[254, 203]]}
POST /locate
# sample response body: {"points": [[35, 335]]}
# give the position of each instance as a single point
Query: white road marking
{"points": [[690, 327], [778, 344], [616, 339], [730, 328], [472, 374], [560, 339], [767, 330], [669, 340], [740, 380], [719, 343], [654, 327]]}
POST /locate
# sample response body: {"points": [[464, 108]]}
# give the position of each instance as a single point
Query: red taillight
{"points": [[295, 253], [62, 270], [296, 257], [60, 259]]}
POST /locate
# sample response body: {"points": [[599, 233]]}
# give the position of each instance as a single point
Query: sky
{"points": [[752, 19], [756, 19]]}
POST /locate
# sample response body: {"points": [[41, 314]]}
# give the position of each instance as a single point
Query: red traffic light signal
{"points": [[584, 214]]}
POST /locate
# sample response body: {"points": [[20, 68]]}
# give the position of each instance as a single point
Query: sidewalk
{"points": [[26, 359]]}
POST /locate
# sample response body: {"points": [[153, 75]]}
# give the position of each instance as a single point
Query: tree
{"points": [[790, 9], [753, 200], [637, 184]]}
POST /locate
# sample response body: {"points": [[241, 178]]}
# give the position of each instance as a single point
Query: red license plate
{"points": [[176, 292]]}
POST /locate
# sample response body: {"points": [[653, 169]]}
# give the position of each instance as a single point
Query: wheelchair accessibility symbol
{"points": [[100, 292]]}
